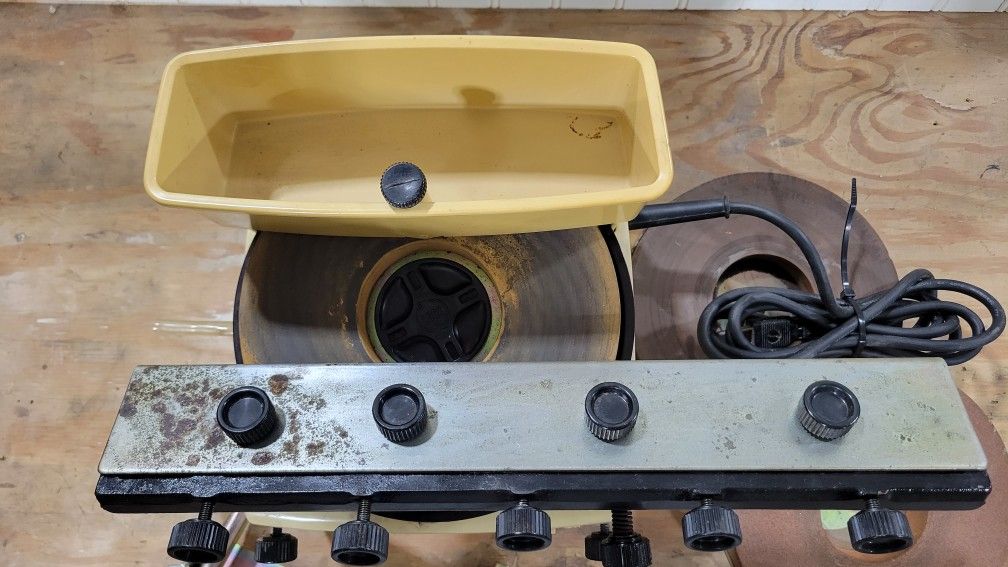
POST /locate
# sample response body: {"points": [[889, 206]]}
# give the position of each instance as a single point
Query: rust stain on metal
{"points": [[262, 458], [215, 438], [315, 448], [291, 448], [174, 429], [278, 384], [127, 409]]}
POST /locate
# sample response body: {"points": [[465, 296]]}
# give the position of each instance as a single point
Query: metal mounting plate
{"points": [[694, 416]]}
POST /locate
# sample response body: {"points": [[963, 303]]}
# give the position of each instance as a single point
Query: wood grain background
{"points": [[94, 278]]}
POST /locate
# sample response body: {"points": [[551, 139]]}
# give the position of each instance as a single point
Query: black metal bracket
{"points": [[927, 490]]}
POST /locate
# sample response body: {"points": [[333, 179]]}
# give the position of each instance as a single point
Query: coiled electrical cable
{"points": [[826, 326]]}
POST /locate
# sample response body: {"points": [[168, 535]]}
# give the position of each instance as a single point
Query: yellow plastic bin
{"points": [[514, 134]]}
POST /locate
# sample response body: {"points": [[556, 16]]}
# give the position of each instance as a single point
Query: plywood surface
{"points": [[94, 278]]}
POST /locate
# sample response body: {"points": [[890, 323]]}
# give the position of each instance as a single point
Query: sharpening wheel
{"points": [[561, 295]]}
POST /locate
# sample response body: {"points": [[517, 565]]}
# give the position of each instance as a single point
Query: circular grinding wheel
{"points": [[678, 268], [549, 296], [971, 537]]}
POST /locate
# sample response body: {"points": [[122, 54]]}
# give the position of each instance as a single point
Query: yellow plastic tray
{"points": [[514, 134]]}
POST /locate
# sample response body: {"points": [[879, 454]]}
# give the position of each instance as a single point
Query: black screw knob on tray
{"points": [[711, 528], [400, 412], [828, 410], [277, 547], [361, 541], [199, 540], [593, 542], [611, 411], [523, 528], [879, 530], [403, 185], [247, 416], [625, 547]]}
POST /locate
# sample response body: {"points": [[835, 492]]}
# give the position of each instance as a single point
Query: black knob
{"points": [[879, 530], [247, 416], [523, 528], [593, 542], [403, 185], [277, 547], [360, 542], [828, 410], [625, 547], [400, 412], [199, 541], [611, 411], [711, 528]]}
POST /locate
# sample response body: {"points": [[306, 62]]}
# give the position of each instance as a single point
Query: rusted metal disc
{"points": [[972, 537], [307, 299], [676, 269]]}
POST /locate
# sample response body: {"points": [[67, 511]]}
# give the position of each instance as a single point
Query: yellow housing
{"points": [[514, 134]]}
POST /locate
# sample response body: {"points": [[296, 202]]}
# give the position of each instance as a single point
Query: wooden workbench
{"points": [[94, 278]]}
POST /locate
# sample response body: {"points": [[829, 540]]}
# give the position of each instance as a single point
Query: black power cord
{"points": [[819, 325]]}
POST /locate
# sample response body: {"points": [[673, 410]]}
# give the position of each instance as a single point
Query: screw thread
{"points": [[707, 503], [364, 510], [873, 504], [206, 510], [277, 531], [622, 523]]}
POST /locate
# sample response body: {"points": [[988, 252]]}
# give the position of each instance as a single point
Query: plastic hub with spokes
{"points": [[433, 310]]}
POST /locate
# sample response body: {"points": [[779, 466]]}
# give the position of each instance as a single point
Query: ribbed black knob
{"points": [[611, 411], [711, 528], [198, 541], [593, 542], [625, 547], [403, 185], [632, 551], [277, 547], [360, 542], [879, 530], [400, 412], [523, 528], [828, 410], [247, 416]]}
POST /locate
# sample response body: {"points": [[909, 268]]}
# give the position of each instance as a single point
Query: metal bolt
{"points": [[622, 523], [206, 510], [364, 510]]}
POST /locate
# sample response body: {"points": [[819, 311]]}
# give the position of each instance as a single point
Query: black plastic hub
{"points": [[433, 310]]}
